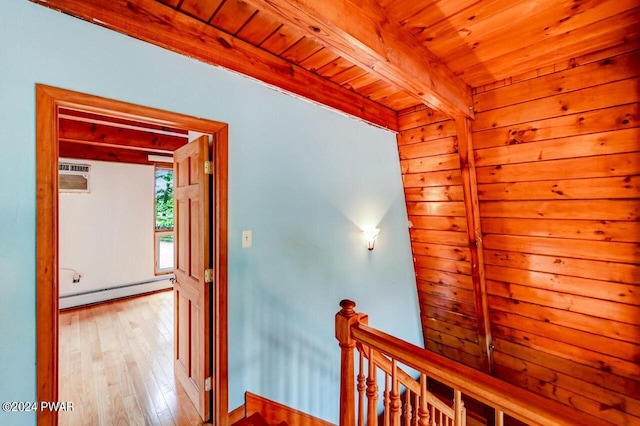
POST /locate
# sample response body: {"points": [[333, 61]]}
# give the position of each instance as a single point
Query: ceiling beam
{"points": [[474, 232], [115, 121], [114, 135], [361, 31], [156, 23], [104, 153]]}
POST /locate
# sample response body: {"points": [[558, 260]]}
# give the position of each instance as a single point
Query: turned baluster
{"points": [[361, 388], [395, 404], [416, 405], [386, 400], [459, 411], [407, 408], [344, 320], [423, 411], [372, 392]]}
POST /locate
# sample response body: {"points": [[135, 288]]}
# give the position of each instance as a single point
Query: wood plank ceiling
{"points": [[89, 136], [392, 55]]}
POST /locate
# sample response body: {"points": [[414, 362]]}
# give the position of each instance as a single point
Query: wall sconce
{"points": [[370, 236]]}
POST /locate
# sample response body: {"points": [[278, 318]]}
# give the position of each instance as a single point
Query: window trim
{"points": [[157, 233]]}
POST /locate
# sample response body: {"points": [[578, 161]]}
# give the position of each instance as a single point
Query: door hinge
{"points": [[207, 384], [208, 167], [208, 275]]}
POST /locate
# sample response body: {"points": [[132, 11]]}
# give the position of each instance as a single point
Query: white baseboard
{"points": [[72, 301]]}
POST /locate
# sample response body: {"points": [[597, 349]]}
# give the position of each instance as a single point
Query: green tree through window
{"points": [[164, 247], [164, 199]]}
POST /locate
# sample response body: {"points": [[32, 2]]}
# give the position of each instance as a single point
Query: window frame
{"points": [[158, 233]]}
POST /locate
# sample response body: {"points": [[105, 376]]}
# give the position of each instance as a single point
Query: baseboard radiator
{"points": [[73, 300]]}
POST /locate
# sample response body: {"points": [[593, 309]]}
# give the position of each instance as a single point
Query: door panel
{"points": [[194, 254]]}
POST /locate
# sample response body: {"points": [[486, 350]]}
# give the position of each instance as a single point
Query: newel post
{"points": [[344, 320]]}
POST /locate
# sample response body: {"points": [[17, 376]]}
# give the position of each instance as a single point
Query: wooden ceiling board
{"points": [[104, 153], [479, 42], [502, 30], [375, 87], [379, 44], [348, 75], [281, 40], [89, 117], [524, 27], [403, 10], [156, 23], [260, 27], [334, 68], [362, 81], [232, 16], [435, 12], [384, 92], [172, 3], [319, 59], [462, 23], [115, 135], [201, 9], [619, 30], [304, 48], [400, 100]]}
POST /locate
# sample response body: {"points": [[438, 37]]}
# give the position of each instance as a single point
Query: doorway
{"points": [[49, 101]]}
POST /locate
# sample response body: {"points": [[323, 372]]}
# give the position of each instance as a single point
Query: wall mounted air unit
{"points": [[73, 177]]}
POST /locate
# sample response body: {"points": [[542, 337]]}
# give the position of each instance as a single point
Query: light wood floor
{"points": [[116, 365]]}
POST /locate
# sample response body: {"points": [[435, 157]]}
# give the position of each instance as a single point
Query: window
{"points": [[164, 221]]}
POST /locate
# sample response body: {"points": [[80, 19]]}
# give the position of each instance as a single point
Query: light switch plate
{"points": [[246, 238]]}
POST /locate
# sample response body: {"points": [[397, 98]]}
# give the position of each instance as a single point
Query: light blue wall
{"points": [[303, 178]]}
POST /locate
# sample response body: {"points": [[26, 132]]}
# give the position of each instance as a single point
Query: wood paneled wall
{"points": [[432, 179], [558, 170], [557, 155]]}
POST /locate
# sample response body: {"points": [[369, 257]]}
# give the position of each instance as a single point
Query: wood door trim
{"points": [[48, 101]]}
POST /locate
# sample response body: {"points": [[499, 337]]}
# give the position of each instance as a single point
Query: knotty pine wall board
{"points": [[600, 120], [439, 250], [586, 376], [588, 99], [433, 316], [621, 331], [440, 223], [554, 388], [586, 268], [562, 189], [597, 308], [558, 172], [557, 228], [593, 144], [440, 264], [623, 253], [579, 78]]}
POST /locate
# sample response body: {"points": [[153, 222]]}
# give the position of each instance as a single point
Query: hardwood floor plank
{"points": [[116, 364]]}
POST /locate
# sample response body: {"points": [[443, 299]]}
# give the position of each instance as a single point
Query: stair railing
{"points": [[405, 401], [414, 392]]}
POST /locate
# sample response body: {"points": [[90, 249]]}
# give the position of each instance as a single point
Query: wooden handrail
{"points": [[504, 397]]}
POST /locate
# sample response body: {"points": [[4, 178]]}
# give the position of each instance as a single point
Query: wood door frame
{"points": [[48, 100]]}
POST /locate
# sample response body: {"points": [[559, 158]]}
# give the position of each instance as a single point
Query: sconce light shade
{"points": [[370, 236]]}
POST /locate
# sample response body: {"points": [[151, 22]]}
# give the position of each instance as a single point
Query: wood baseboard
{"points": [[275, 413]]}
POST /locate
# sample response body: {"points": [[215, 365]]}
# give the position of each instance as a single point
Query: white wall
{"points": [[106, 235]]}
